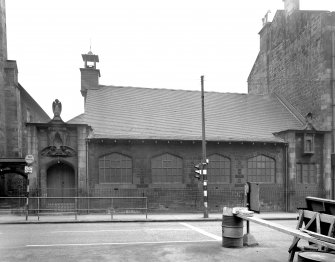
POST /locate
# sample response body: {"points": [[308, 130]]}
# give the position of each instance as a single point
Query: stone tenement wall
{"points": [[15, 103], [3, 142], [13, 121], [30, 112], [295, 62], [19, 109], [3, 57]]}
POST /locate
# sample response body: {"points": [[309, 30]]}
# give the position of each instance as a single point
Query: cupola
{"points": [[89, 74]]}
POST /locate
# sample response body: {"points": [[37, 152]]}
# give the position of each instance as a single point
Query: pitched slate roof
{"points": [[79, 119], [143, 113]]}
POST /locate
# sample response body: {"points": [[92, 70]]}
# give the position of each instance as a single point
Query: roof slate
{"points": [[145, 113], [79, 119]]}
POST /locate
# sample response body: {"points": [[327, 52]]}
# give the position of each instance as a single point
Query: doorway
{"points": [[61, 183]]}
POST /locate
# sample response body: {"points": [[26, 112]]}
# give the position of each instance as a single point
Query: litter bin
{"points": [[232, 230]]}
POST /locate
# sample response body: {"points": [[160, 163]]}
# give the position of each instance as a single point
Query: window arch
{"points": [[261, 169], [115, 168], [166, 168], [219, 169]]}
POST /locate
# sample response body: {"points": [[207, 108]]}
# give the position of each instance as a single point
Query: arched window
{"points": [[115, 168], [166, 168], [261, 169], [219, 169]]}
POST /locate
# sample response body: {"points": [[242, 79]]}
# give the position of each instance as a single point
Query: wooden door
{"points": [[61, 182]]}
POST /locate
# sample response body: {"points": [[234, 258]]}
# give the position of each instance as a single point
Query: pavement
{"points": [[150, 217]]}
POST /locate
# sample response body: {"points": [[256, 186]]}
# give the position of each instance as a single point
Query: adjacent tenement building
{"points": [[16, 108], [297, 62]]}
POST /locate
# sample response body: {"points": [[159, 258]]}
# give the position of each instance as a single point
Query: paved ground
{"points": [[137, 241]]}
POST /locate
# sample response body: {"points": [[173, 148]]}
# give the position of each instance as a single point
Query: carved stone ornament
{"points": [[63, 151], [57, 109], [309, 122], [57, 140]]}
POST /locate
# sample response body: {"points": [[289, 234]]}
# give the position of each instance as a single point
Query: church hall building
{"points": [[133, 141]]}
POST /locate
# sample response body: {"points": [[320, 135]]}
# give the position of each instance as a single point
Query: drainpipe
{"points": [[286, 178], [87, 193]]}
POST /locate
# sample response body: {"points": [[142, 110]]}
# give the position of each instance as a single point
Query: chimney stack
{"points": [[11, 72], [291, 6], [3, 35]]}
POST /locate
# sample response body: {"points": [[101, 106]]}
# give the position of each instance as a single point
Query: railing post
{"points": [[75, 211], [112, 209], [146, 208], [88, 202], [38, 208], [27, 207]]}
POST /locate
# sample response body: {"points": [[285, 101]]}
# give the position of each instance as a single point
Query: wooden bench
{"points": [[318, 229], [322, 205], [317, 225]]}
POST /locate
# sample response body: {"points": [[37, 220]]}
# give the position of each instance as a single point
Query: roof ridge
{"points": [[172, 89]]}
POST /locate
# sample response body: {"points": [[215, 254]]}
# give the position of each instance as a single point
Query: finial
{"points": [[90, 52], [265, 20]]}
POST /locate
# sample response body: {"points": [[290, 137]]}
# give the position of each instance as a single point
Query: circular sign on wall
{"points": [[29, 159]]}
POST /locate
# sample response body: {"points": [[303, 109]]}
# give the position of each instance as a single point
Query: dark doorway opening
{"points": [[61, 183]]}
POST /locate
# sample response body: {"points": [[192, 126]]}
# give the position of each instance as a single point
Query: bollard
{"points": [[232, 229]]}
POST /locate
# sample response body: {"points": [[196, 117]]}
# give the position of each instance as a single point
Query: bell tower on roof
{"points": [[89, 74]]}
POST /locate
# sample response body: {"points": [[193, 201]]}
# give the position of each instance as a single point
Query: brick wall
{"points": [[142, 152]]}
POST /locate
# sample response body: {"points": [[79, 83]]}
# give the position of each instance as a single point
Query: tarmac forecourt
{"points": [[136, 241]]}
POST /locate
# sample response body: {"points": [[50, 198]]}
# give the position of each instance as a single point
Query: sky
{"points": [[140, 43]]}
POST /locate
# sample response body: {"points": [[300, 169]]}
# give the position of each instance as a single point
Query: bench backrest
{"points": [[322, 205]]}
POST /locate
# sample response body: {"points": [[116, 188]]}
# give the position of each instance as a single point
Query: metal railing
{"points": [[273, 198], [77, 205]]}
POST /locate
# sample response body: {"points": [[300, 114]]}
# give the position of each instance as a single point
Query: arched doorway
{"points": [[61, 183], [13, 185]]}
